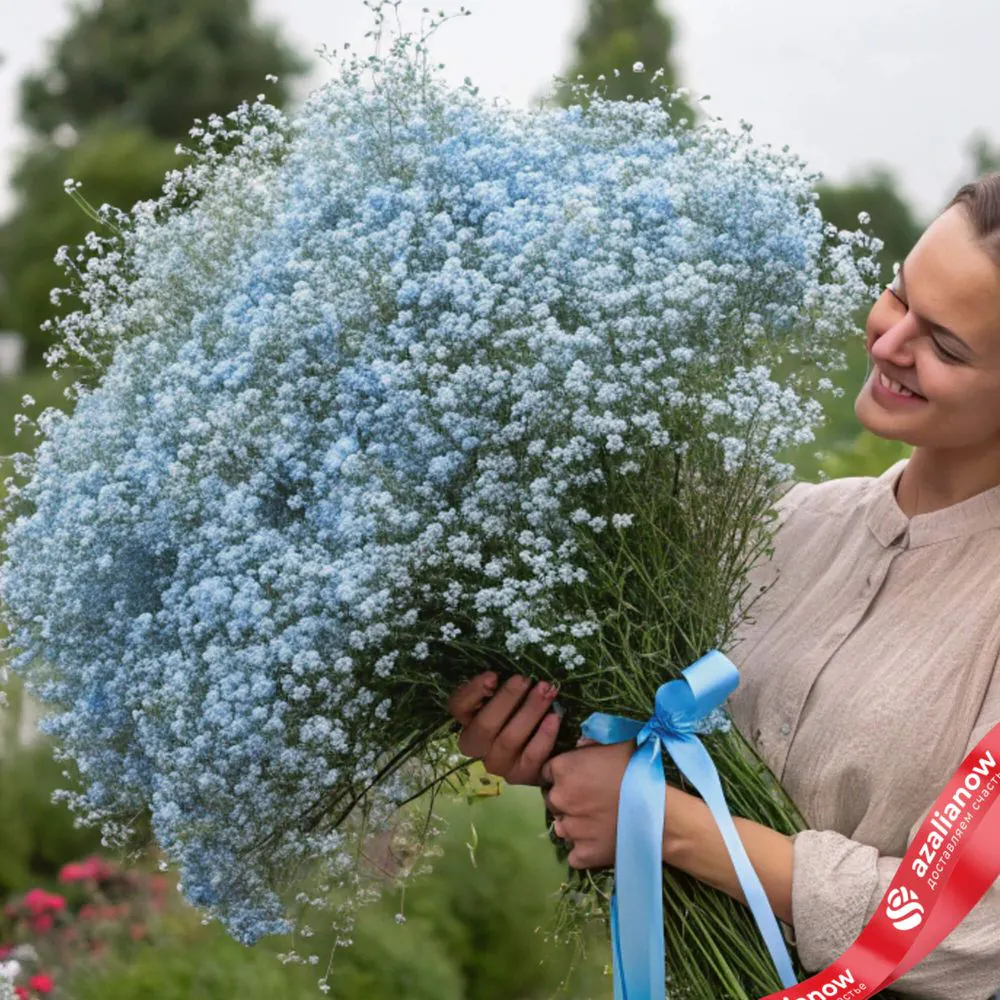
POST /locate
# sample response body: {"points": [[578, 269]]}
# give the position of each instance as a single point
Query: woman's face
{"points": [[936, 333]]}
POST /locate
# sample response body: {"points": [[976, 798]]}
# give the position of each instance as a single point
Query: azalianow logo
{"points": [[904, 909]]}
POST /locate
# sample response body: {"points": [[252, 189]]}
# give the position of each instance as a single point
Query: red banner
{"points": [[950, 864]]}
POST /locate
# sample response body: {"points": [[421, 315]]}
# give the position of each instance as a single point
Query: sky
{"points": [[847, 85]]}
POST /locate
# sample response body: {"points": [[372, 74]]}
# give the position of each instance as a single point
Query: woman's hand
{"points": [[582, 795], [512, 730]]}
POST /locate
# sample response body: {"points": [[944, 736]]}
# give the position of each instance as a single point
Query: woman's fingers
{"points": [[485, 726], [510, 743], [471, 697], [527, 769], [513, 729]]}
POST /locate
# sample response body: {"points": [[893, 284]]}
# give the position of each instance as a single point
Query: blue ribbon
{"points": [[637, 903]]}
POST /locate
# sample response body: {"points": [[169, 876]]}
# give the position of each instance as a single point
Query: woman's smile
{"points": [[891, 392]]}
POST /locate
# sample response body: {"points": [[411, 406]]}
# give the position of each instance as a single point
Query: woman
{"points": [[869, 668]]}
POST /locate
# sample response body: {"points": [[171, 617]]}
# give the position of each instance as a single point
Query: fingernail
{"points": [[543, 688], [490, 681], [551, 722]]}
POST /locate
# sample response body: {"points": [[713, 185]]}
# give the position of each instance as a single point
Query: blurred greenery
{"points": [[124, 84], [984, 154], [475, 929], [36, 837], [892, 219], [619, 33], [116, 165], [156, 65]]}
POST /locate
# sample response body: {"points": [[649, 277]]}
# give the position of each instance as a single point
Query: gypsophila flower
{"points": [[369, 386]]}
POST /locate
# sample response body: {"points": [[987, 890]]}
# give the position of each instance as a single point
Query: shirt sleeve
{"points": [[838, 883]]}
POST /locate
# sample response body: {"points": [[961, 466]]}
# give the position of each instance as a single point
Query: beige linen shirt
{"points": [[868, 671]]}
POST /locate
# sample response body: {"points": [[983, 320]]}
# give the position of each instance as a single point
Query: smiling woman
{"points": [[934, 340], [870, 668]]}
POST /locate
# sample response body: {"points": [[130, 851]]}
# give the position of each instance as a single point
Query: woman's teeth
{"points": [[894, 386]]}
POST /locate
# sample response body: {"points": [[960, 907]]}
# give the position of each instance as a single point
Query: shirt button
{"points": [[785, 729]]}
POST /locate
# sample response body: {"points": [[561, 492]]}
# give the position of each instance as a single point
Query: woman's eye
{"points": [[946, 355], [893, 290]]}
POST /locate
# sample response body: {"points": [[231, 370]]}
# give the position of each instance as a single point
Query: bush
{"points": [[474, 930], [36, 837]]}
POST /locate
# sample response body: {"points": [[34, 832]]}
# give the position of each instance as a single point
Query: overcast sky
{"points": [[901, 83]]}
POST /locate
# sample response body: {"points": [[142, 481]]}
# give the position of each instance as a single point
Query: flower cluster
{"points": [[15, 964], [93, 869], [38, 908], [49, 935], [376, 391]]}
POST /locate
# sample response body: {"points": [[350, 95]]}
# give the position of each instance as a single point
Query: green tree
{"points": [[156, 64], [124, 84], [838, 447], [115, 166], [892, 219], [618, 34], [984, 155]]}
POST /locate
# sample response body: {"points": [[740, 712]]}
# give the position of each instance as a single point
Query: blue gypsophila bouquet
{"points": [[406, 386]]}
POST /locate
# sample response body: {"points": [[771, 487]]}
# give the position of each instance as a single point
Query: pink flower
{"points": [[5, 950], [38, 901], [21, 993], [92, 869], [73, 872], [41, 983]]}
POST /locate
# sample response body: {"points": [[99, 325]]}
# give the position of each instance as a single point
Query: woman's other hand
{"points": [[583, 787], [512, 730]]}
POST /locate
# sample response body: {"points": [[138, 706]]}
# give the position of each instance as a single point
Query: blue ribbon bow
{"points": [[637, 903]]}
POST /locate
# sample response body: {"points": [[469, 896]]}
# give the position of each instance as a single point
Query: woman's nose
{"points": [[895, 344]]}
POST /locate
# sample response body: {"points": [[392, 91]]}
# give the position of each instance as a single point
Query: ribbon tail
{"points": [[639, 940], [616, 952], [696, 765]]}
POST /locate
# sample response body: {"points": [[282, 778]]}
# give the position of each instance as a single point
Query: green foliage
{"points": [[866, 455], [125, 82], [892, 219], [840, 427], [156, 65], [984, 155], [189, 962], [840, 443], [36, 837], [474, 930], [618, 34], [115, 166], [43, 388]]}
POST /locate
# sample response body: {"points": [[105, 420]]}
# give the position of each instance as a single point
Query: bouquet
{"points": [[403, 387]]}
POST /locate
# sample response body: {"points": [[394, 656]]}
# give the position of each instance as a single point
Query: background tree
{"points": [[892, 219], [125, 82], [841, 445], [618, 34], [984, 154], [116, 166], [156, 64]]}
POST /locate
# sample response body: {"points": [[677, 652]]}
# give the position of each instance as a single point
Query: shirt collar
{"points": [[891, 526]]}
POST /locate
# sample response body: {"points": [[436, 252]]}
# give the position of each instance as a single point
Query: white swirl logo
{"points": [[904, 909]]}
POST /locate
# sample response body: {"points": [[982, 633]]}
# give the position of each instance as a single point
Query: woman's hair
{"points": [[981, 200]]}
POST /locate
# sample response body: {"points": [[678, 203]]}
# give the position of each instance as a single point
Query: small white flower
{"points": [[10, 970]]}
